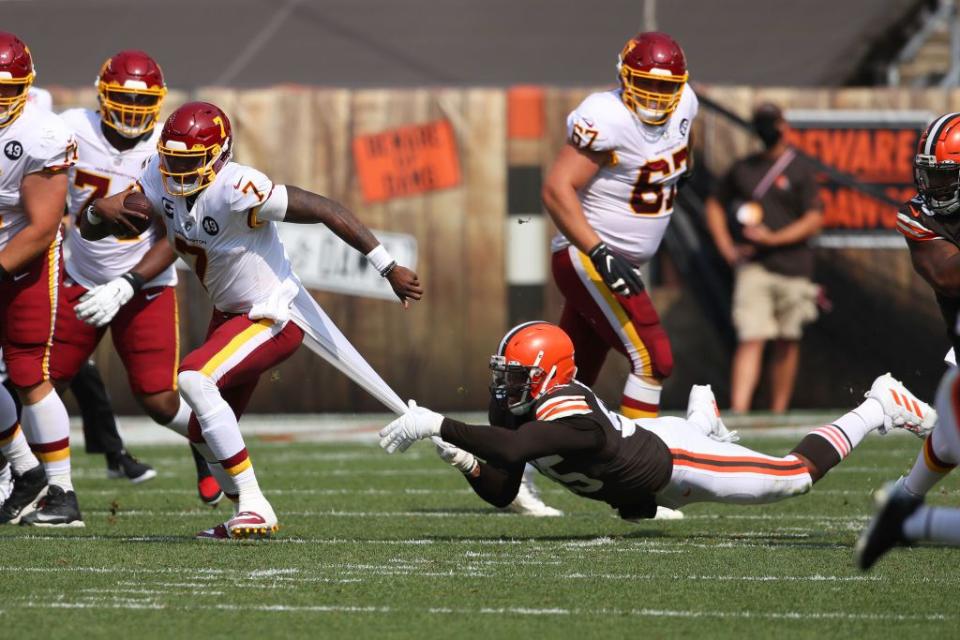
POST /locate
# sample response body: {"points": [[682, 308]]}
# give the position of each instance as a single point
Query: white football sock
{"points": [[932, 465], [13, 445], [640, 399], [181, 421], [47, 427], [934, 524]]}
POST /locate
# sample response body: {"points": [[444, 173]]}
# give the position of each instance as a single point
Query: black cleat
{"points": [[894, 505], [27, 489], [58, 508], [123, 465]]}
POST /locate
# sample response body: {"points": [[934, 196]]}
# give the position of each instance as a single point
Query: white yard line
{"points": [[512, 611]]}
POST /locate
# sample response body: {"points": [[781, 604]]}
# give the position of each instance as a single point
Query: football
{"points": [[136, 201]]}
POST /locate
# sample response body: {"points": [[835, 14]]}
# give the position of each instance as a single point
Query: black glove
{"points": [[622, 277]]}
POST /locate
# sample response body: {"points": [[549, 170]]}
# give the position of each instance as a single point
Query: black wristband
{"points": [[135, 279], [387, 269]]}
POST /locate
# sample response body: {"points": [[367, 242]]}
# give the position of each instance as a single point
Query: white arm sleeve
{"points": [[275, 208]]}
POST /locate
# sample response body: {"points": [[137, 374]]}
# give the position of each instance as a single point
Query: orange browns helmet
{"points": [[131, 88], [652, 70], [194, 145], [936, 167], [533, 358], [16, 76]]}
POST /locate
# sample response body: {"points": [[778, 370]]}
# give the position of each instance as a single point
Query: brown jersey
{"points": [[571, 437], [918, 224]]}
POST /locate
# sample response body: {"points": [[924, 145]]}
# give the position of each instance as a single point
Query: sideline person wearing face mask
{"points": [[762, 215]]}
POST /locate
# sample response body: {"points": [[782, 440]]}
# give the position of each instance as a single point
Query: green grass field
{"points": [[399, 547]]}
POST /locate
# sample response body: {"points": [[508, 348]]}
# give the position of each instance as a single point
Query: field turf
{"points": [[398, 546]]}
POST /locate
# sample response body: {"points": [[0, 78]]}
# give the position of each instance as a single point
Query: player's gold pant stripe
{"points": [[52, 287], [53, 456], [929, 457], [176, 338], [234, 345], [646, 363]]}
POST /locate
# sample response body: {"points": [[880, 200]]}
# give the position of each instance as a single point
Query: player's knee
{"points": [[199, 390], [161, 407]]}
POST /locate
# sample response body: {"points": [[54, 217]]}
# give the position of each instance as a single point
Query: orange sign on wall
{"points": [[406, 161], [876, 151]]}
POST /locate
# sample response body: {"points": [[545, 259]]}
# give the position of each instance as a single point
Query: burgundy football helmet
{"points": [[16, 76], [194, 145], [652, 70], [131, 88]]}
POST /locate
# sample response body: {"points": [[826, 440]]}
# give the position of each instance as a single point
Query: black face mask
{"points": [[768, 131]]}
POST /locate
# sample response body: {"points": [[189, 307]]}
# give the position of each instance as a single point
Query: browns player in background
{"points": [[127, 284], [610, 192], [36, 149]]}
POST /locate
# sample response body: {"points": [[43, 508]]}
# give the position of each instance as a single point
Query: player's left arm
{"points": [[499, 445], [42, 195], [305, 207]]}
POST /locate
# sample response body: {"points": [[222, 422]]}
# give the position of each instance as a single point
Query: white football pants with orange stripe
{"points": [[705, 470]]}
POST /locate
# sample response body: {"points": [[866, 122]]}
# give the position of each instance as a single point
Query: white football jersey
{"points": [[630, 200], [37, 140], [102, 171], [238, 258]]}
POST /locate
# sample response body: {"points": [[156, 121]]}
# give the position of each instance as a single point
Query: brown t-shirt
{"points": [[790, 195]]}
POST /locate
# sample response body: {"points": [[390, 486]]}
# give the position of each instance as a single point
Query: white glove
{"points": [[99, 305], [416, 424], [455, 456]]}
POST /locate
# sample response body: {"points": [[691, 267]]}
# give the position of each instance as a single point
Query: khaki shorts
{"points": [[768, 306]]}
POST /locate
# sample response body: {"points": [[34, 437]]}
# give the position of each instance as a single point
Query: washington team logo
{"points": [[684, 126], [210, 226], [13, 150]]}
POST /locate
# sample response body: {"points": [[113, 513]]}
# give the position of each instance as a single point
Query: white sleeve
{"points": [[52, 149], [275, 208], [588, 128]]}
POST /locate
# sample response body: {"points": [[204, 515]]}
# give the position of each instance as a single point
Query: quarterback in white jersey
{"points": [[221, 217], [611, 193], [35, 151], [125, 283]]}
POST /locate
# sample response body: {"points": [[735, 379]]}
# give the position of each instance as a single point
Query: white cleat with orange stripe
{"points": [[901, 409]]}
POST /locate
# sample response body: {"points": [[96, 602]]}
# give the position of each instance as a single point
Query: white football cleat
{"points": [[901, 409], [703, 402], [254, 519], [663, 513], [528, 502]]}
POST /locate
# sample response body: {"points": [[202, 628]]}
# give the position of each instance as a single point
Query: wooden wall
{"points": [[437, 351]]}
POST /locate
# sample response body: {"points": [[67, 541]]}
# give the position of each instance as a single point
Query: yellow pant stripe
{"points": [[176, 338], [234, 345], [646, 365], [53, 255]]}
